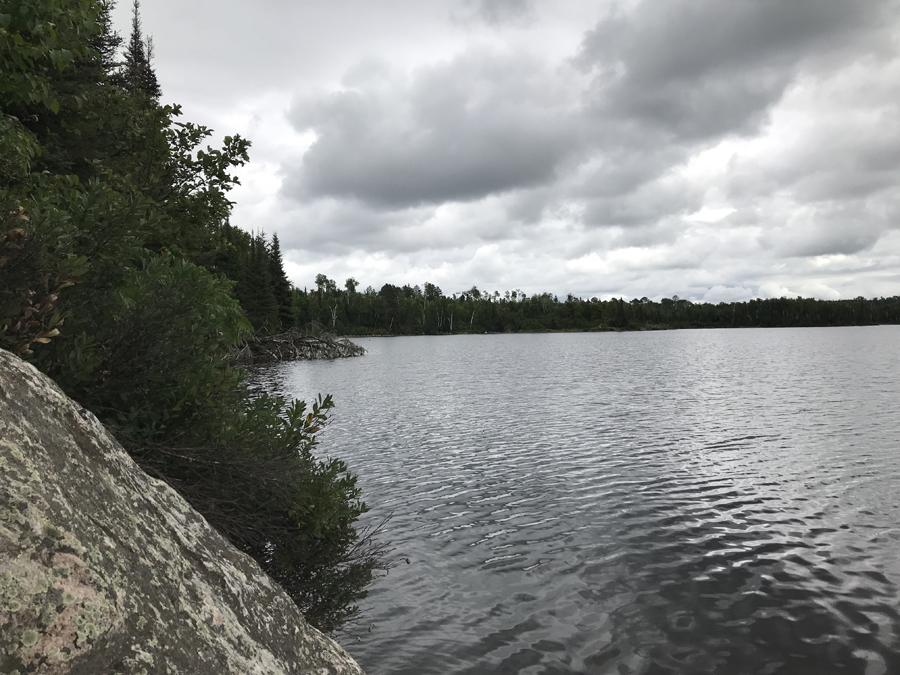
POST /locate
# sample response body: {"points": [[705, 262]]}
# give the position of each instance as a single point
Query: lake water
{"points": [[719, 501]]}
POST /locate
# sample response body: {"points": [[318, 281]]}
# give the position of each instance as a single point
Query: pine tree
{"points": [[139, 76]]}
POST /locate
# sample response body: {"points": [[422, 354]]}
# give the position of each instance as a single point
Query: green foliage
{"points": [[261, 286], [114, 239], [157, 341], [18, 148], [410, 310], [37, 262], [306, 539], [36, 38]]}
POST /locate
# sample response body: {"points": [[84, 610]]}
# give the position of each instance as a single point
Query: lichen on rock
{"points": [[106, 570]]}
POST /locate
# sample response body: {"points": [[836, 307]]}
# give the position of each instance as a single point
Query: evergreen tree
{"points": [[280, 285], [258, 294], [106, 42], [139, 76], [619, 318]]}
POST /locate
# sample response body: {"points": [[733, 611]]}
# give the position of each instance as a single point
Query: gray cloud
{"points": [[481, 124], [497, 12], [704, 68], [826, 229], [711, 149]]}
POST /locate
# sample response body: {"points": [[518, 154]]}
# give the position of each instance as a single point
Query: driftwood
{"points": [[310, 342]]}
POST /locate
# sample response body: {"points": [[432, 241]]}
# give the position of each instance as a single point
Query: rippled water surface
{"points": [[673, 502]]}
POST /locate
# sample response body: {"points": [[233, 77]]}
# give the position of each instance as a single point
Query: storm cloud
{"points": [[713, 150], [481, 124]]}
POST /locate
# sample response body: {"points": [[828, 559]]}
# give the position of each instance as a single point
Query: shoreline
{"points": [[643, 329]]}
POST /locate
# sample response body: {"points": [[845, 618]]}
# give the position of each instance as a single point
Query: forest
{"points": [[273, 304], [114, 281]]}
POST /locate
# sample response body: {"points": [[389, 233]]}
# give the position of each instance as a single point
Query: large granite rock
{"points": [[105, 570]]}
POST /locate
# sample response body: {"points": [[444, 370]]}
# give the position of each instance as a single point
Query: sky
{"points": [[717, 151]]}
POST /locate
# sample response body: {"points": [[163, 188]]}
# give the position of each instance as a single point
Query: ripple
{"points": [[674, 502]]}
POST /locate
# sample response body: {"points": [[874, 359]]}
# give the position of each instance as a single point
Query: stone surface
{"points": [[105, 570]]}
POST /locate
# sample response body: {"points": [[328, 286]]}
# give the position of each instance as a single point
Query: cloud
{"points": [[498, 12], [829, 230], [720, 293], [714, 150], [702, 68], [772, 289], [482, 124]]}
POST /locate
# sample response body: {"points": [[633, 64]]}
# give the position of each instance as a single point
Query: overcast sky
{"points": [[715, 150]]}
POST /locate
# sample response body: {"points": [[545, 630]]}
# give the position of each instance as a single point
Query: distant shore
{"points": [[638, 329]]}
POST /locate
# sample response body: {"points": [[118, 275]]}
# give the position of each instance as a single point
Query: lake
{"points": [[696, 501]]}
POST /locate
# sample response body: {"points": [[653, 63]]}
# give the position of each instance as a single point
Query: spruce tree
{"points": [[139, 76], [280, 285], [256, 293], [107, 42]]}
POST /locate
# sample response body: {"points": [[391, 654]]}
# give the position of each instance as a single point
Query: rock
{"points": [[106, 570]]}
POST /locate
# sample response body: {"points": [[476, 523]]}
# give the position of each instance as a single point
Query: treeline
{"points": [[426, 310], [115, 260]]}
